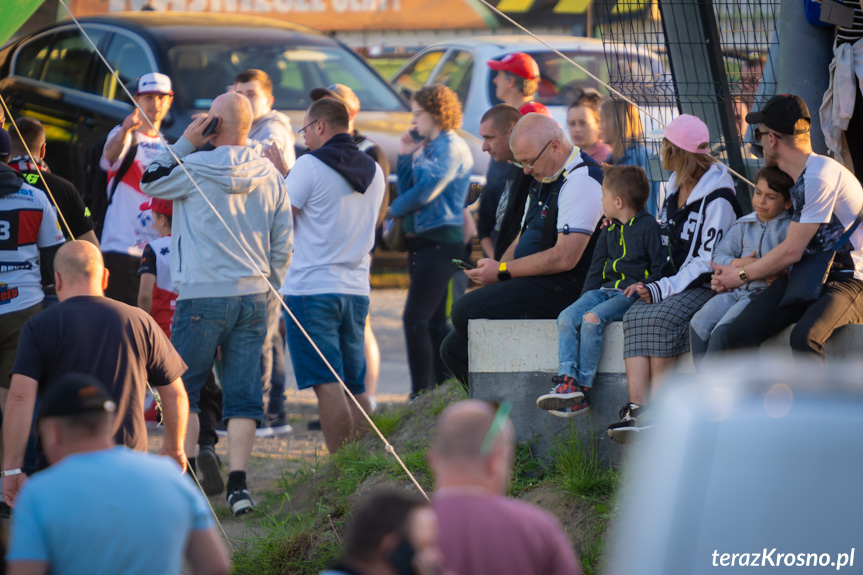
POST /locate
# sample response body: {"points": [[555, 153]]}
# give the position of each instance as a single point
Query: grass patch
{"points": [[389, 420], [286, 548], [578, 471]]}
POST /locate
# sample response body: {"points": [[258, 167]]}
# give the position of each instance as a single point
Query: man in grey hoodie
{"points": [[268, 126], [230, 241]]}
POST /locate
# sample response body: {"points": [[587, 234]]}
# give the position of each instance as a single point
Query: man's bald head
{"points": [[457, 455], [78, 264], [462, 429], [539, 141], [235, 115]]}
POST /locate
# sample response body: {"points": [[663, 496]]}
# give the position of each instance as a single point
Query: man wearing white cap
{"points": [[127, 229]]}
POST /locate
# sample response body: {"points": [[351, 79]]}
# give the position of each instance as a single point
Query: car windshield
{"points": [[201, 71], [640, 76]]}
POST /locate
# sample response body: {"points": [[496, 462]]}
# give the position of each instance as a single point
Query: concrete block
{"points": [[514, 361]]}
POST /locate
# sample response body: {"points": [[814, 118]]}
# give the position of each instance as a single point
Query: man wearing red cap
{"points": [[127, 228], [517, 78]]}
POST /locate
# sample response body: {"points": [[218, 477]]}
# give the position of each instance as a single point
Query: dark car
{"points": [[56, 76]]}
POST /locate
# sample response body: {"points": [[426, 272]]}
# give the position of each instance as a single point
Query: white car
{"points": [[461, 64]]}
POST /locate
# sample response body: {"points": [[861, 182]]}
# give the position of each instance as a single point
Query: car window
{"points": [[415, 75], [456, 74], [129, 59], [643, 75], [203, 71], [70, 58], [31, 58]]}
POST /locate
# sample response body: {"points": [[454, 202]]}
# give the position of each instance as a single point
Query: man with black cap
{"points": [[101, 508], [120, 345], [127, 229], [827, 199]]}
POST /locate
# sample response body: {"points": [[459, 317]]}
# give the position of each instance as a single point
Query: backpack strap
{"points": [[123, 169]]}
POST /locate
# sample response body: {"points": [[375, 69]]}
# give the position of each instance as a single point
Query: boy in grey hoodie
{"points": [[749, 239], [223, 286]]}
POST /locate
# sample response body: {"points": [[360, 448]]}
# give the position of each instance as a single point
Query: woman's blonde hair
{"points": [[689, 167], [621, 124]]}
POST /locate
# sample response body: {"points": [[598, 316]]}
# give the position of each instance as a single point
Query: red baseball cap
{"points": [[534, 108], [158, 205], [518, 63]]}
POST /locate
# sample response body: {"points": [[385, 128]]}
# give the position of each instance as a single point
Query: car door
{"points": [[456, 73], [49, 75]]}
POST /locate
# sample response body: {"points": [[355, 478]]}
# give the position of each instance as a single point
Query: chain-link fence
{"points": [[717, 62]]}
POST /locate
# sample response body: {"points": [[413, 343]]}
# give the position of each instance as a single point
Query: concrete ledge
{"points": [[514, 360]]}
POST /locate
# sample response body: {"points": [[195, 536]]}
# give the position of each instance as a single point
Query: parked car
{"points": [[462, 65], [755, 463], [54, 75]]}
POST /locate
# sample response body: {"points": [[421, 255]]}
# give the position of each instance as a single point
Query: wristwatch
{"points": [[502, 273], [743, 275], [8, 472]]}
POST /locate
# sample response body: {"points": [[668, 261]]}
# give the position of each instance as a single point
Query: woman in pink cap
{"points": [[700, 207]]}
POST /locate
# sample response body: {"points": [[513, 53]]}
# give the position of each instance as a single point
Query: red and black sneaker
{"points": [[565, 393], [578, 409]]}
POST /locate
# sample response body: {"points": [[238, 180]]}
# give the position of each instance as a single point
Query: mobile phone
{"points": [[463, 265], [415, 136], [211, 127], [837, 14]]}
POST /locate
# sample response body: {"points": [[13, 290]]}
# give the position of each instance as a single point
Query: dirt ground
{"points": [[272, 458]]}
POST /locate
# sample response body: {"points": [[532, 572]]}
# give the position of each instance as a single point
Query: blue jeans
{"points": [[709, 326], [236, 324], [273, 358], [579, 342], [336, 323]]}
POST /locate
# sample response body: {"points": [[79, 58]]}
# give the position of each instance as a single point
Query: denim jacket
{"points": [[435, 184]]}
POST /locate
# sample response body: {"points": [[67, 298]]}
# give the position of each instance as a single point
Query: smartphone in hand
{"points": [[211, 127], [461, 264], [415, 136]]}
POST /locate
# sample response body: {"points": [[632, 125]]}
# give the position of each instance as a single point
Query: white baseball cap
{"points": [[154, 83]]}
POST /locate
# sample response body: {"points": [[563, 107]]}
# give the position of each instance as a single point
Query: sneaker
{"points": [[279, 424], [625, 430], [578, 409], [241, 502], [565, 393], [208, 464]]}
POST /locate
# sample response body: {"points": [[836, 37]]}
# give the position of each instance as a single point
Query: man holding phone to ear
{"points": [[222, 298], [127, 228]]}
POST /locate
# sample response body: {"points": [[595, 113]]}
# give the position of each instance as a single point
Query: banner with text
{"points": [[335, 15]]}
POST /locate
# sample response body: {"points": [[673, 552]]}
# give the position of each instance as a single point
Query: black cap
{"points": [[780, 113], [75, 394]]}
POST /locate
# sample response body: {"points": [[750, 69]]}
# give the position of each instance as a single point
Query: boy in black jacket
{"points": [[628, 251]]}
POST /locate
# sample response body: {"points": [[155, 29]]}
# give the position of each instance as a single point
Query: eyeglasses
{"points": [[757, 133], [305, 128], [529, 165]]}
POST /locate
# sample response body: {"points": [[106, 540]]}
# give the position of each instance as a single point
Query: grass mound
{"points": [[301, 531]]}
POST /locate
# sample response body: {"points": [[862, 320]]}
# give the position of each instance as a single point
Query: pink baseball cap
{"points": [[159, 206], [534, 108], [518, 63], [688, 133]]}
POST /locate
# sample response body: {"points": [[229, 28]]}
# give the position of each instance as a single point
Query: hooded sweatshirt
{"points": [[275, 128], [626, 253], [342, 154], [691, 233], [749, 234], [252, 199]]}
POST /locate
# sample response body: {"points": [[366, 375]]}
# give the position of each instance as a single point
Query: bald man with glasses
{"points": [[551, 230]]}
